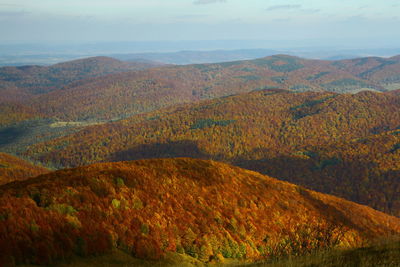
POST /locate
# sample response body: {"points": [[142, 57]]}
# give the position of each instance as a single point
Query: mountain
{"points": [[341, 144], [124, 94], [199, 57], [144, 208], [383, 71], [13, 169], [25, 81], [11, 113]]}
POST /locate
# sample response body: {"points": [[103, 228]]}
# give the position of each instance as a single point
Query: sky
{"points": [[349, 22]]}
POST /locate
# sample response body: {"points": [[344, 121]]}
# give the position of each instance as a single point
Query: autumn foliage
{"points": [[341, 144], [104, 88], [12, 169], [204, 209]]}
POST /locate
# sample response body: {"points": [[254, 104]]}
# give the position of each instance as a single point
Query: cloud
{"points": [[205, 2], [283, 7]]}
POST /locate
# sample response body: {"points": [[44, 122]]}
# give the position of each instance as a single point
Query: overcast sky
{"points": [[140, 20]]}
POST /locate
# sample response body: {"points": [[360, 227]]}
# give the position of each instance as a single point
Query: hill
{"points": [[342, 144], [386, 254], [383, 71], [143, 208], [11, 113], [22, 82], [199, 57], [125, 94], [12, 169]]}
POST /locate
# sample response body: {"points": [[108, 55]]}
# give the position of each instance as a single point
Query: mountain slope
{"points": [[383, 71], [124, 94], [144, 208], [86, 96], [13, 169], [344, 145], [25, 81], [11, 113]]}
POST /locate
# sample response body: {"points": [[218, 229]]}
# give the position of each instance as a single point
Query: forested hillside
{"points": [[127, 93], [20, 83], [342, 144], [143, 208], [14, 169]]}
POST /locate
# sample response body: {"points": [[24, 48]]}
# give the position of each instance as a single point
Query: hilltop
{"points": [[13, 168], [341, 144], [144, 208], [125, 94], [104, 88], [21, 83]]}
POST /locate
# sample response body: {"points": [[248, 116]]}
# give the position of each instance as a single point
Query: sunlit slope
{"points": [[13, 169], [342, 144], [205, 209], [123, 94], [41, 79]]}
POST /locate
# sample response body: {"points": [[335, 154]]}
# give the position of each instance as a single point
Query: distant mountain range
{"points": [[126, 93], [17, 82], [195, 52], [199, 57]]}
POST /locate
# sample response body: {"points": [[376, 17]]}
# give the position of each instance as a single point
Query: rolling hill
{"points": [[17, 83], [145, 209], [13, 169], [123, 94], [12, 113], [383, 71], [199, 57], [342, 144]]}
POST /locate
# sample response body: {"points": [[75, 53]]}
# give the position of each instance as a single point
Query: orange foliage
{"points": [[337, 144], [12, 169], [200, 208]]}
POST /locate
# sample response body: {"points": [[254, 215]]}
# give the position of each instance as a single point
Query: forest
{"points": [[268, 160], [144, 208], [341, 144]]}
